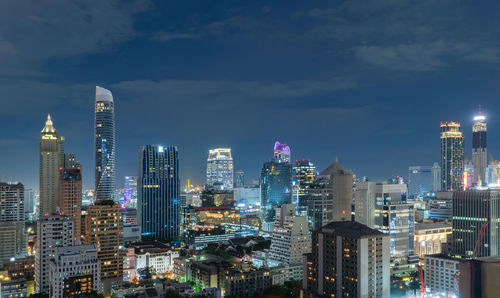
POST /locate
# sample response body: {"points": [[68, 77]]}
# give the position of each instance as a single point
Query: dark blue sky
{"points": [[368, 81]]}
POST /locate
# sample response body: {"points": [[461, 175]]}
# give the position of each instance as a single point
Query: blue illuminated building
{"points": [[158, 191]]}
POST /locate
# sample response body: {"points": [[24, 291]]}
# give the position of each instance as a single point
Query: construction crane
{"points": [[479, 238], [421, 277]]}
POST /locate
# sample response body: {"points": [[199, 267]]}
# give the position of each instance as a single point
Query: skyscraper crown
{"points": [[49, 127], [102, 94]]}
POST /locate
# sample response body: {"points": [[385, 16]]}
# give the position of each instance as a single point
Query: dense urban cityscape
{"points": [[261, 149]]}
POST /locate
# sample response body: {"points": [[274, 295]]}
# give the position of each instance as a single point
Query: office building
{"points": [[70, 195], [390, 194], [365, 203], [13, 288], [479, 277], [319, 204], [452, 156], [104, 144], [291, 239], [104, 227], [398, 220], [21, 267], [472, 209], [479, 148], [211, 197], [430, 237], [75, 271], [158, 191], [29, 203], [130, 192], [244, 281], [239, 177], [53, 231], [275, 186], [281, 152], [13, 239], [347, 259], [441, 206], [436, 177], [51, 158], [11, 202], [468, 174], [492, 174], [249, 195], [220, 168], [304, 174], [441, 274], [419, 180]]}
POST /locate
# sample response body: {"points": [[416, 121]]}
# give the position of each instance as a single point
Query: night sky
{"points": [[367, 81]]}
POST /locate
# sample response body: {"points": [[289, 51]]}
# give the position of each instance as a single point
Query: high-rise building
{"points": [[419, 180], [441, 206], [216, 198], [472, 209], [492, 174], [275, 186], [304, 173], [281, 152], [53, 231], [291, 239], [130, 192], [29, 203], [51, 159], [348, 259], [75, 271], [220, 168], [339, 183], [70, 187], [104, 144], [365, 203], [159, 191], [13, 236], [390, 194], [104, 226], [436, 177], [11, 202], [239, 177], [468, 174], [452, 156], [479, 148]]}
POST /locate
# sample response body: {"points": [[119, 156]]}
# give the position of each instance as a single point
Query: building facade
{"points": [[430, 237], [479, 148], [70, 194], [347, 259], [51, 159], [282, 152], [452, 156], [130, 192], [275, 185], [304, 174], [104, 144], [441, 274], [419, 180], [365, 203], [158, 191], [220, 168]]}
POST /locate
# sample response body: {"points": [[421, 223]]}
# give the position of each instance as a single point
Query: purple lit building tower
{"points": [[281, 152]]}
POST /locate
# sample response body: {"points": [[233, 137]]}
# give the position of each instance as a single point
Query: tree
{"points": [[172, 294], [146, 272]]}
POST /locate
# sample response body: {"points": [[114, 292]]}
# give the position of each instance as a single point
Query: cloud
{"points": [[168, 36]]}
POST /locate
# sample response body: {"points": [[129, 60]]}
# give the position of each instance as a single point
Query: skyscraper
{"points": [[479, 148], [158, 190], [51, 158], [70, 187], [304, 173], [419, 180], [281, 152], [240, 178], [365, 202], [13, 238], [130, 192], [452, 156], [220, 167], [104, 144], [436, 177], [339, 184], [275, 185]]}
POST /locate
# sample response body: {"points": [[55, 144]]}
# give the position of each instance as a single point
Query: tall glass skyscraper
{"points": [[220, 168], [281, 152], [104, 144], [158, 191], [452, 156], [304, 173], [130, 192], [479, 148], [419, 180]]}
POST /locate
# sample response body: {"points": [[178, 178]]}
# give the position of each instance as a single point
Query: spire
{"points": [[49, 126], [336, 158]]}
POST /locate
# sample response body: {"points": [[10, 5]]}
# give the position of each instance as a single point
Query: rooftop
{"points": [[350, 228], [335, 169], [431, 225]]}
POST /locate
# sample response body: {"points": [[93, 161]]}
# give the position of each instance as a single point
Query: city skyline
{"points": [[150, 59]]}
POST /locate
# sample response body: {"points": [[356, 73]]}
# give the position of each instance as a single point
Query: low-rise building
{"points": [[13, 288], [430, 237], [154, 255], [441, 273], [247, 281], [22, 267]]}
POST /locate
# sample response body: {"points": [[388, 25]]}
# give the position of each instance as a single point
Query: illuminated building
{"points": [[21, 267], [75, 271], [70, 195], [436, 177], [215, 216], [245, 281], [155, 255], [347, 259], [215, 198], [291, 239], [398, 220], [11, 202], [281, 152], [53, 231], [479, 148], [130, 192], [470, 210], [104, 144], [104, 227], [247, 195], [51, 158], [452, 156], [365, 202], [441, 273], [220, 167], [440, 206], [240, 178], [304, 173], [430, 237], [13, 239], [468, 174], [419, 180], [13, 288], [492, 174], [275, 186], [29, 203], [158, 191]]}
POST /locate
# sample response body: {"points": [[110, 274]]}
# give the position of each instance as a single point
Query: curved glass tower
{"points": [[104, 144]]}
